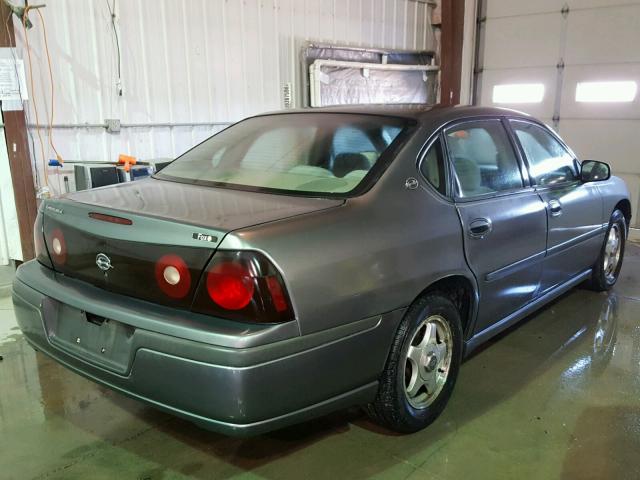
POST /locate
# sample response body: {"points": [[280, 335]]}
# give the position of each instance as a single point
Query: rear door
{"points": [[574, 209], [503, 219]]}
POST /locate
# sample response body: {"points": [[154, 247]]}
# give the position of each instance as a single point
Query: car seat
{"points": [[469, 176], [348, 162]]}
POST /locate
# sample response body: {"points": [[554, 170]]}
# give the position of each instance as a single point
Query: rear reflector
{"points": [[110, 218]]}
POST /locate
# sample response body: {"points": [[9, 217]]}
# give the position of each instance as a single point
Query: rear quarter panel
{"points": [[372, 255]]}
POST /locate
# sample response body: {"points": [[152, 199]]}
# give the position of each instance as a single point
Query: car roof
{"points": [[421, 113]]}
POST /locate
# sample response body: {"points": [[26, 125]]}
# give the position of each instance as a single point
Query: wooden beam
{"points": [[15, 131], [451, 51]]}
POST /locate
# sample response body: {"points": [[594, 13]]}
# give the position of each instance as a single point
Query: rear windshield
{"points": [[321, 153]]}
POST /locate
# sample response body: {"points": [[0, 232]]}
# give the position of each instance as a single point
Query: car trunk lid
{"points": [[221, 208], [115, 237]]}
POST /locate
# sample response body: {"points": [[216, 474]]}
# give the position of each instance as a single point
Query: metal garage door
{"points": [[533, 55]]}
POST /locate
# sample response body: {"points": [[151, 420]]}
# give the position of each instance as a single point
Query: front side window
{"points": [[549, 162], [483, 158], [301, 152]]}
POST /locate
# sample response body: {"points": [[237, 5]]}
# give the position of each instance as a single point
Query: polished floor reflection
{"points": [[558, 396]]}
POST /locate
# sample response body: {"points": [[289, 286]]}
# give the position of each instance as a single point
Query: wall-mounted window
{"points": [[518, 93], [606, 91]]}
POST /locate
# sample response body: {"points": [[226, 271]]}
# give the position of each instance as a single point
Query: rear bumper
{"points": [[238, 381]]}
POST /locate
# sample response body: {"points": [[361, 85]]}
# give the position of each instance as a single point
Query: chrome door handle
{"points": [[555, 207], [480, 227]]}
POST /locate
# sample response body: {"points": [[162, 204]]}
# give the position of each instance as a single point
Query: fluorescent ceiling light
{"points": [[518, 93], [606, 91]]}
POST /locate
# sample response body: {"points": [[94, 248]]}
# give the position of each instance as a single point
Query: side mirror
{"points": [[593, 171]]}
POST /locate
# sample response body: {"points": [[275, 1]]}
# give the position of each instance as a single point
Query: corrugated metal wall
{"points": [[190, 61]]}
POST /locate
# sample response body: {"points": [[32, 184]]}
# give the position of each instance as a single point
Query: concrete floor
{"points": [[558, 396], [7, 272]]}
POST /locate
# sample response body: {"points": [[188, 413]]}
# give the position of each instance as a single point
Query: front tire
{"points": [[607, 268], [422, 366]]}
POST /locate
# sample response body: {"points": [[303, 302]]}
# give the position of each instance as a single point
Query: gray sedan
{"points": [[306, 261]]}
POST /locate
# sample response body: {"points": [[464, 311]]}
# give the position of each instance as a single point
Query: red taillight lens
{"points": [[243, 286], [173, 276], [277, 294], [230, 285], [57, 246]]}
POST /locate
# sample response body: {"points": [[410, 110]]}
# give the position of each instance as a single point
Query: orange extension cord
{"points": [[35, 106]]}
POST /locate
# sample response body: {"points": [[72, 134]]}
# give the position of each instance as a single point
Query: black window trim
{"points": [[424, 150], [576, 161], [524, 173]]}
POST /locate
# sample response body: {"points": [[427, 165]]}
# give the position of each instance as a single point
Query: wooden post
{"points": [[17, 138], [451, 51]]}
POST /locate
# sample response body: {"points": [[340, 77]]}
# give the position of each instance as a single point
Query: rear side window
{"points": [[432, 167], [483, 158], [549, 162]]}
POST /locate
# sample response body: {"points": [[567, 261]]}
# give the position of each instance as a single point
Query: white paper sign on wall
{"points": [[13, 85]]}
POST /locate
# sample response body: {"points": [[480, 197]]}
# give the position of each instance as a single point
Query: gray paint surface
{"points": [[368, 257], [555, 397]]}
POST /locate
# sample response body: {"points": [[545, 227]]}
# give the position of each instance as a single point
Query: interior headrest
{"points": [[348, 162]]}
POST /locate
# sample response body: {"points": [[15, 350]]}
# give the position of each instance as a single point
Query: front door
{"points": [[503, 219], [574, 209]]}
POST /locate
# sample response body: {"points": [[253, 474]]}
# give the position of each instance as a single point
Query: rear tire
{"points": [[607, 268], [422, 366]]}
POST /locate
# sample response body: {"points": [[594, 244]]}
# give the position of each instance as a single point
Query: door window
{"points": [[549, 162], [432, 167], [483, 158]]}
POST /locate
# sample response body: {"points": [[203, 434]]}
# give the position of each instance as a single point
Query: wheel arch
{"points": [[463, 293], [624, 206]]}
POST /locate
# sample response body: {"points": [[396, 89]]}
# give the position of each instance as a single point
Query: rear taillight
{"points": [[57, 246], [173, 276], [230, 284], [42, 255], [243, 286]]}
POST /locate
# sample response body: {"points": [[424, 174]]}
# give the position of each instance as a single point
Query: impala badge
{"points": [[103, 262], [59, 211]]}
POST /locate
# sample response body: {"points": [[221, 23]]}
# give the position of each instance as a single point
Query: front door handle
{"points": [[555, 207], [480, 227]]}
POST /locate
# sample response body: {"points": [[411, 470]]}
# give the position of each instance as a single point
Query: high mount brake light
{"points": [[110, 218], [243, 286]]}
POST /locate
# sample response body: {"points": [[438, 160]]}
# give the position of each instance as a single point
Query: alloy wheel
{"points": [[428, 361], [612, 250]]}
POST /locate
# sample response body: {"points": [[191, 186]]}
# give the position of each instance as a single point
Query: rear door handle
{"points": [[480, 227], [555, 207]]}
